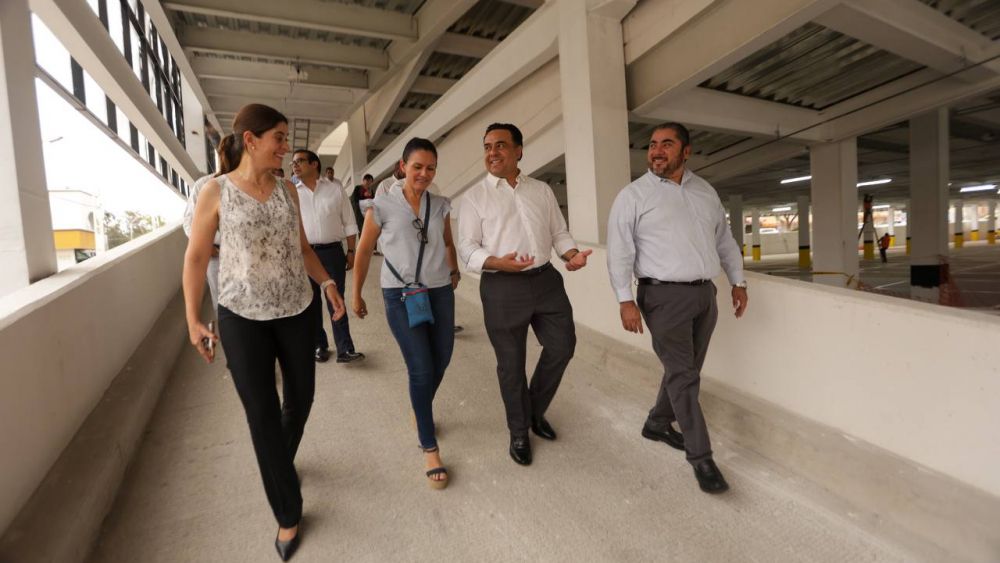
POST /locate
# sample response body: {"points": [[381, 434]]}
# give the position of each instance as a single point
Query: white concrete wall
{"points": [[63, 340], [919, 380]]}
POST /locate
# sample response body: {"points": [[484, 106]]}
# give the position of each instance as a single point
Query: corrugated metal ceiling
{"points": [[981, 15], [812, 67]]}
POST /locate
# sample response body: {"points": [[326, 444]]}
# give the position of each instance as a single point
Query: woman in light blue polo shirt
{"points": [[419, 275]]}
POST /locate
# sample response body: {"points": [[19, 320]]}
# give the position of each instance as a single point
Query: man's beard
{"points": [[670, 168]]}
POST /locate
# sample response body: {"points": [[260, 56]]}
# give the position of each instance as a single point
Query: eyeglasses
{"points": [[421, 233], [300, 161]]}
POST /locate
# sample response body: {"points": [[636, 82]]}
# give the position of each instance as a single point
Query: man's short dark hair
{"points": [[682, 132], [368, 177], [311, 157], [515, 133]]}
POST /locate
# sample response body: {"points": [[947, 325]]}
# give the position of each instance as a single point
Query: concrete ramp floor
{"points": [[599, 493]]}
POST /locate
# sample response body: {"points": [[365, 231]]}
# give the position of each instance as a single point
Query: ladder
{"points": [[300, 133]]}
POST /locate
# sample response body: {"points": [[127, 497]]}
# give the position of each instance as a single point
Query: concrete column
{"points": [[357, 139], [890, 225], [27, 247], [991, 222], [959, 227], [906, 211], [974, 221], [805, 257], [834, 168], [595, 115], [755, 236], [194, 128], [736, 220], [927, 216]]}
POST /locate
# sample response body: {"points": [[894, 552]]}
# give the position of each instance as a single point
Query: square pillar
{"points": [[959, 226], [194, 128], [595, 115], [736, 219], [27, 246], [834, 196], [755, 235], [991, 222], [805, 253], [927, 216]]}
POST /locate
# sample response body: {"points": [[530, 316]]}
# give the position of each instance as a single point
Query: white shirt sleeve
{"points": [[562, 240], [189, 214], [347, 214], [621, 245], [730, 253], [470, 237]]}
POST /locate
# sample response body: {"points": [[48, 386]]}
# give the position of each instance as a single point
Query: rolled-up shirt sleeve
{"points": [[470, 237], [730, 254], [562, 240], [347, 215], [621, 245]]}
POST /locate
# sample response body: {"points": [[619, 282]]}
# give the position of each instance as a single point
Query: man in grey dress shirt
{"points": [[669, 229], [508, 226]]}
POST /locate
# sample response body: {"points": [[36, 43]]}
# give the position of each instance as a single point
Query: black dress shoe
{"points": [[543, 429], [520, 450], [286, 549], [709, 477], [322, 354], [671, 437], [348, 357]]}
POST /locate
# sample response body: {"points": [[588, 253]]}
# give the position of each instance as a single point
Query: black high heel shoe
{"points": [[286, 549]]}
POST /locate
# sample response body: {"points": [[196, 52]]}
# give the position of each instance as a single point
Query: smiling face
{"points": [[500, 154], [420, 169], [666, 155], [267, 150]]}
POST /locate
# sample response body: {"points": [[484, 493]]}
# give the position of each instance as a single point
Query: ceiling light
{"points": [[980, 188], [785, 208], [881, 206], [799, 179], [875, 182]]}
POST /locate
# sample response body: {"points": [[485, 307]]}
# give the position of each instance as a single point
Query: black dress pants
{"points": [[511, 304], [276, 429], [335, 263]]}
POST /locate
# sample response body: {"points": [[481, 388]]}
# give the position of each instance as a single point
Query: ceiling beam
{"points": [[432, 85], [914, 31], [325, 113], [735, 31], [465, 45], [272, 73], [381, 106], [277, 47], [533, 4], [216, 87], [748, 156], [309, 14], [406, 115], [652, 22], [524, 51]]}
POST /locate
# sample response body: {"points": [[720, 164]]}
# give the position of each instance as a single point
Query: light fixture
{"points": [[799, 179], [875, 182], [980, 188], [784, 208], [881, 206]]}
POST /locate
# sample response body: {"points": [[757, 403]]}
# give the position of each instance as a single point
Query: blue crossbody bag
{"points": [[416, 296]]}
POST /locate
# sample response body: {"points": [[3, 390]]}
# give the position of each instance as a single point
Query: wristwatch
{"points": [[742, 285]]}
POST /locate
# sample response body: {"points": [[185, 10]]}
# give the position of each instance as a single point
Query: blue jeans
{"points": [[427, 351]]}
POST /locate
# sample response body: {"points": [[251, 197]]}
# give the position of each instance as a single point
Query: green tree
{"points": [[121, 229]]}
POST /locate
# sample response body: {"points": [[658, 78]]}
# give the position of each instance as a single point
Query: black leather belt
{"points": [[324, 245], [654, 281], [532, 272]]}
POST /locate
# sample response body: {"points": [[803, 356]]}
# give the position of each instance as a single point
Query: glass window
{"points": [[50, 54]]}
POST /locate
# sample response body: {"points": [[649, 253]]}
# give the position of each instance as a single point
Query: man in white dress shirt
{"points": [[508, 226], [328, 221], [669, 229]]}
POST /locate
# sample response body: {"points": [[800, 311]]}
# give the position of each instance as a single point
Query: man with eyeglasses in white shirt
{"points": [[508, 226], [328, 221], [669, 229]]}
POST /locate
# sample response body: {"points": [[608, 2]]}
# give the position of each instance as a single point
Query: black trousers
{"points": [[335, 263], [276, 429], [681, 319], [512, 303]]}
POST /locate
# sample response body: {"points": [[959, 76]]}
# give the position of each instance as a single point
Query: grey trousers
{"points": [[512, 303], [681, 319]]}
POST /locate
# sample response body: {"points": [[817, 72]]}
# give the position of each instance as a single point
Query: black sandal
{"points": [[436, 483]]}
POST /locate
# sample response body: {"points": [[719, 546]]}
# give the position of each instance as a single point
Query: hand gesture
{"points": [[360, 307], [198, 333], [631, 317], [514, 263], [578, 260]]}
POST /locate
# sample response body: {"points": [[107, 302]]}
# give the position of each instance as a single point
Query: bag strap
{"points": [[423, 243]]}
